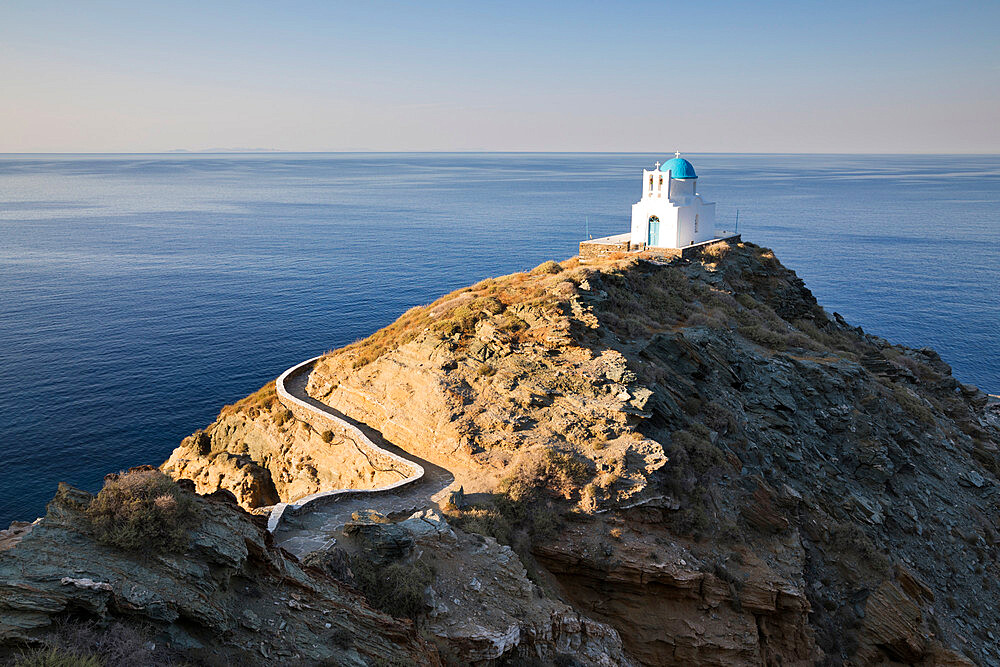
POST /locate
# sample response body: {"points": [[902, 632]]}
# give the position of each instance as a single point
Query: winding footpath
{"points": [[312, 522]]}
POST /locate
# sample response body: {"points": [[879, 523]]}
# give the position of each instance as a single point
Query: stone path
{"points": [[311, 523]]}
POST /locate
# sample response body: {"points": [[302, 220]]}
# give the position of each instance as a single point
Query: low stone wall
{"points": [[611, 244], [409, 471], [604, 246]]}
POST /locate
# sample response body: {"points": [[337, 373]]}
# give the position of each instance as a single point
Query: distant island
{"points": [[227, 150]]}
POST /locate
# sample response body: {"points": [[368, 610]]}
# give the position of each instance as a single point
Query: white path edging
{"points": [[289, 401]]}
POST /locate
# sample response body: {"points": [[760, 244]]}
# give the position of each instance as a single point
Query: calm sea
{"points": [[140, 293]]}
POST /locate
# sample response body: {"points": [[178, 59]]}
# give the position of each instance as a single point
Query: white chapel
{"points": [[671, 213]]}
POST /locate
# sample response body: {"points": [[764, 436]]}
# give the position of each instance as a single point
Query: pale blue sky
{"points": [[701, 77]]}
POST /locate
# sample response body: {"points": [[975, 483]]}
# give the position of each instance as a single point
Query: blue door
{"points": [[653, 237]]}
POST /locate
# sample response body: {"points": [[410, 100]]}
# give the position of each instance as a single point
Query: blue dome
{"points": [[679, 168]]}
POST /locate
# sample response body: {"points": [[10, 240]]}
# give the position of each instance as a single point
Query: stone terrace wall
{"points": [[604, 246], [620, 243]]}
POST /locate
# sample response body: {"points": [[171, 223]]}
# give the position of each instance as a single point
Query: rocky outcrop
{"points": [[481, 607], [719, 608], [231, 597], [692, 454], [264, 456], [764, 425]]}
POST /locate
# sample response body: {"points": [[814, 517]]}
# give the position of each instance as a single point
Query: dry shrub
{"points": [[89, 644], [282, 416], [522, 510], [545, 470], [549, 267], [142, 509], [397, 588], [707, 319], [53, 657], [326, 436], [716, 251], [642, 303]]}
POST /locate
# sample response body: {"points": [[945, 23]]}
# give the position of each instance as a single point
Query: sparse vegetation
{"points": [[856, 550], [142, 509], [397, 588], [282, 416], [53, 657], [549, 267], [694, 463], [457, 314], [261, 400], [87, 644], [524, 502], [716, 251], [912, 404]]}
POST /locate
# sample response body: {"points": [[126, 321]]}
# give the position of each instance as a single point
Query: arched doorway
{"points": [[653, 231]]}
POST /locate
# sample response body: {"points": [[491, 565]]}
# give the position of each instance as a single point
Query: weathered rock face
{"points": [[263, 455], [481, 607], [714, 608], [230, 598]]}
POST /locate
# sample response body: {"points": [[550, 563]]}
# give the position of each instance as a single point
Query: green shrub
{"points": [[396, 589], [142, 509]]}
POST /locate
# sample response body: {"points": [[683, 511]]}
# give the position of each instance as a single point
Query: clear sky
{"points": [[873, 76]]}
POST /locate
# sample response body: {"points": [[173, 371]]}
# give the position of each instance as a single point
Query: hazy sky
{"points": [[872, 76]]}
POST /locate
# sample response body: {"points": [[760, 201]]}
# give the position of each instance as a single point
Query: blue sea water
{"points": [[140, 293]]}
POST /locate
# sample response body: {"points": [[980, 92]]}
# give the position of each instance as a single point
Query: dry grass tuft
{"points": [[263, 399], [716, 251]]}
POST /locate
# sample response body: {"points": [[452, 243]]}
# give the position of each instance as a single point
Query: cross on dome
{"points": [[677, 153]]}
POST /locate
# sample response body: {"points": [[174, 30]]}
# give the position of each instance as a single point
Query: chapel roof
{"points": [[679, 168]]}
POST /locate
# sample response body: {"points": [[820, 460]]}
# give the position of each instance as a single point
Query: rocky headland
{"points": [[655, 461]]}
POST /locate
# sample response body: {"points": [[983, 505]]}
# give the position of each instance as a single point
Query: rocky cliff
{"points": [[657, 462], [749, 478]]}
